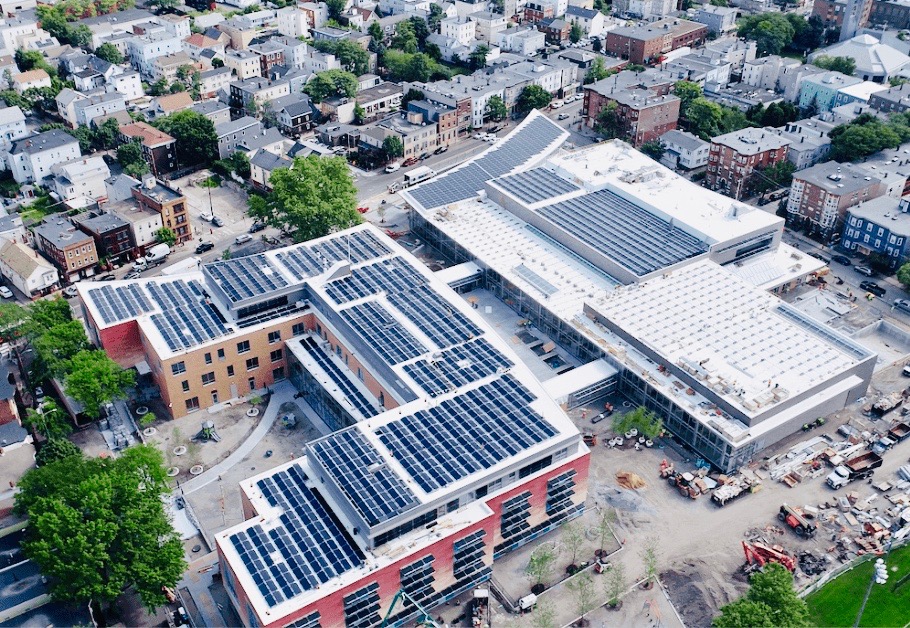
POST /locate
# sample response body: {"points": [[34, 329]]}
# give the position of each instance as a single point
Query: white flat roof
{"points": [[775, 268], [622, 169]]}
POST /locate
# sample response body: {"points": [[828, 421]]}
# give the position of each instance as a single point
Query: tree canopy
{"points": [[412, 67], [56, 449], [310, 199], [575, 33], [331, 83], [903, 274], [93, 379], [496, 109], [867, 135], [98, 526], [392, 147], [50, 421], [109, 53], [844, 65], [771, 32], [532, 97], [197, 142], [703, 117], [352, 57], [770, 601], [129, 156]]}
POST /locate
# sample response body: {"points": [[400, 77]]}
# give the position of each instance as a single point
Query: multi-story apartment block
{"points": [[380, 99], [735, 158], [158, 148], [881, 227], [766, 71], [248, 95], [12, 127], [845, 16], [489, 25], [896, 99], [243, 63], [232, 134], [809, 141], [270, 54], [92, 107], [82, 177], [443, 117], [461, 29], [72, 251], [641, 116], [893, 13], [644, 9], [30, 159], [719, 20], [213, 81], [169, 203], [684, 150], [820, 195], [416, 138], [110, 232], [143, 50], [523, 41], [819, 92], [648, 43]]}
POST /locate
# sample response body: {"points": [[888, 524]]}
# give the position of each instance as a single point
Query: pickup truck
{"points": [[735, 487], [859, 468]]}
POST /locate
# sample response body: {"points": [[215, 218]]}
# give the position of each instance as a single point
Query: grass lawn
{"points": [[838, 602]]}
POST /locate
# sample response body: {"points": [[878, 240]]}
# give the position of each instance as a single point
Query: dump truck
{"points": [[887, 403], [898, 432], [796, 519], [735, 487], [858, 468]]}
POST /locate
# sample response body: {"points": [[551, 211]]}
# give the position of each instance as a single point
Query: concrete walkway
{"points": [[281, 394]]}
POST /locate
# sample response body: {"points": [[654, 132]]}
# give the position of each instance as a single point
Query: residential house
{"points": [[263, 164], [416, 137], [684, 150], [170, 203], [197, 43], [650, 42], [591, 21], [144, 223], [461, 29], [820, 195], [809, 141], [522, 41], [405, 7], [30, 159], [819, 91], [214, 110], [176, 25], [12, 127], [89, 109], [641, 117], [270, 54], [556, 30], [766, 71], [719, 20], [896, 99], [644, 9], [360, 17], [249, 94], [231, 134], [72, 251], [295, 114], [294, 51], [167, 66], [128, 83], [880, 226], [293, 22], [168, 104], [379, 100], [33, 79], [243, 63], [213, 81], [317, 13], [66, 105], [143, 50], [241, 32], [111, 234], [315, 61], [103, 26], [15, 29], [82, 177], [701, 68], [860, 93], [11, 228], [735, 157], [28, 272], [158, 148], [443, 117]]}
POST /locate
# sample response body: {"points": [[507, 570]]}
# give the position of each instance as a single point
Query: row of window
{"points": [[178, 368]]}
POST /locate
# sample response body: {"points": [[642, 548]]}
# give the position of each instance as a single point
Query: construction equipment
{"points": [[887, 403], [898, 432], [589, 438], [424, 619], [796, 519], [743, 484], [685, 483], [666, 468], [758, 555], [858, 468]]}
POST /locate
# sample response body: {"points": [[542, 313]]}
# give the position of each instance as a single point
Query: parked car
{"points": [[410, 161], [6, 293], [871, 286], [423, 156], [133, 274], [864, 270], [562, 116], [107, 277], [478, 136], [392, 167], [217, 221], [204, 246], [70, 291], [440, 150], [257, 226], [903, 305], [243, 238], [206, 216], [841, 259]]}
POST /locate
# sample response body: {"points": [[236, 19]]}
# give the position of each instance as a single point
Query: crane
{"points": [[423, 619]]}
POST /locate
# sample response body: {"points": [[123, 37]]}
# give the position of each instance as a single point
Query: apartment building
{"points": [[416, 137], [736, 157], [649, 43], [158, 148], [880, 226], [110, 232], [12, 127], [641, 116], [820, 195], [33, 79], [248, 95], [81, 178], [243, 63], [72, 251], [30, 159], [232, 134], [154, 195], [684, 150]]}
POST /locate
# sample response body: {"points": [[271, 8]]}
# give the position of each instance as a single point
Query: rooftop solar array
{"points": [[467, 433], [631, 235], [383, 332], [344, 383], [389, 275], [302, 262], [185, 319], [373, 488], [309, 260], [535, 185], [457, 366], [308, 550], [120, 303], [541, 284], [435, 316], [518, 148], [246, 277]]}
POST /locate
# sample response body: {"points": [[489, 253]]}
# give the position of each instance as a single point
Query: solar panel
{"points": [[435, 316], [541, 284], [308, 549], [467, 433], [458, 366], [246, 277], [383, 332], [189, 325], [301, 262], [364, 406], [119, 303], [453, 187], [535, 185], [373, 488], [628, 233], [357, 247], [388, 275]]}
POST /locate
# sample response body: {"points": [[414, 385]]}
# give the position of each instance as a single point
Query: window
{"points": [[230, 370], [192, 404], [274, 336], [208, 378], [252, 364], [177, 368], [220, 354], [276, 355], [243, 347], [208, 358], [298, 329], [185, 384], [278, 374]]}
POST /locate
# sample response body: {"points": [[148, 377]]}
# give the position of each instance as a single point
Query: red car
{"points": [[410, 161], [363, 210]]}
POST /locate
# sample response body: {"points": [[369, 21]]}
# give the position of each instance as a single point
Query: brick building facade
{"points": [[736, 157]]}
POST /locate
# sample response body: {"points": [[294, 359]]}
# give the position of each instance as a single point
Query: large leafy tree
{"points": [[903, 274], [844, 65], [609, 123], [129, 156], [56, 449], [771, 32], [770, 601], [478, 57], [50, 421], [45, 314], [404, 39], [575, 33], [331, 83], [93, 379], [392, 147], [109, 53], [58, 344], [312, 198], [598, 70], [98, 526], [532, 97], [496, 108], [864, 136], [349, 53], [197, 142]]}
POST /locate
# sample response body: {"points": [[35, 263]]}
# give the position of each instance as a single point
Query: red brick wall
{"points": [[122, 343]]}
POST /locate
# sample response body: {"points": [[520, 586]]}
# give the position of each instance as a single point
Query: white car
{"points": [[568, 99], [206, 216], [393, 167], [243, 238], [70, 291], [556, 104], [6, 293]]}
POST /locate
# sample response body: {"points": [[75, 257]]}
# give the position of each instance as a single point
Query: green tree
{"points": [[650, 556], [166, 236], [770, 601], [33, 60], [653, 149], [496, 109], [55, 449], [779, 114], [352, 56], [98, 526], [609, 124], [864, 136], [604, 527], [58, 344], [335, 8], [435, 17], [646, 422], [575, 33], [810, 37], [93, 379], [12, 315], [375, 31], [615, 584], [106, 136], [197, 142], [45, 314], [544, 615], [540, 564], [582, 589], [573, 537], [478, 57], [413, 94], [844, 65], [85, 137], [392, 147], [50, 421], [704, 119], [719, 3], [771, 32], [421, 30], [404, 39], [109, 53], [598, 71], [597, 45], [331, 83], [312, 198], [780, 175], [129, 156], [687, 92], [532, 97], [903, 274]]}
